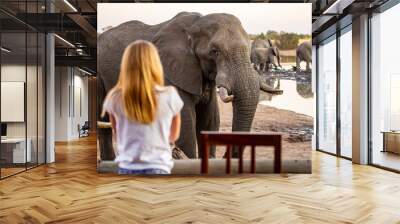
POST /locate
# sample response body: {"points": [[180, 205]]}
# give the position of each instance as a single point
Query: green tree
{"points": [[260, 36], [286, 41], [273, 35]]}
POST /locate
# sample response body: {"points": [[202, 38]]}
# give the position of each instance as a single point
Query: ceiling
{"points": [[75, 21]]}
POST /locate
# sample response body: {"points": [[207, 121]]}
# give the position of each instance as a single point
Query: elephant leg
{"points": [[308, 66], [187, 138], [104, 136], [298, 64], [275, 66], [207, 119]]}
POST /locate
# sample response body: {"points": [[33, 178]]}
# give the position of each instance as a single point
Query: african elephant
{"points": [[261, 43], [263, 53], [264, 57], [303, 53], [202, 56]]}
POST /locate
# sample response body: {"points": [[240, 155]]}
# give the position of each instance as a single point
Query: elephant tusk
{"points": [[223, 93], [266, 88]]}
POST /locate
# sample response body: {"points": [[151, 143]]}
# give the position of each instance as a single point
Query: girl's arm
{"points": [[175, 128], [113, 126]]}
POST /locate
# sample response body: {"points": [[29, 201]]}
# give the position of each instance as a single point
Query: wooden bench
{"points": [[241, 139]]}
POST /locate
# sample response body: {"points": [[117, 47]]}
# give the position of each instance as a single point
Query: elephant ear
{"points": [[180, 64]]}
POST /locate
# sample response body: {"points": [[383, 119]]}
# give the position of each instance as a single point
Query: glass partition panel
{"points": [[385, 89], [14, 151], [31, 97], [41, 86], [327, 96], [23, 90], [346, 93]]}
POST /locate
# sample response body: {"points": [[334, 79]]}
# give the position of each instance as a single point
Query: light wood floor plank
{"points": [[71, 191]]}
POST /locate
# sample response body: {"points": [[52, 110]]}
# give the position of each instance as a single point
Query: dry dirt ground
{"points": [[270, 119]]}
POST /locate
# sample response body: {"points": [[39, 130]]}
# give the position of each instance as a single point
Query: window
{"points": [[385, 89], [22, 88], [346, 92], [327, 96]]}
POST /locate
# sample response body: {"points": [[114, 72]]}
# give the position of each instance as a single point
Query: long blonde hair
{"points": [[140, 72]]}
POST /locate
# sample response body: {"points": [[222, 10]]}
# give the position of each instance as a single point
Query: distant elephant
{"points": [[303, 53], [264, 57], [261, 43], [263, 54], [200, 54]]}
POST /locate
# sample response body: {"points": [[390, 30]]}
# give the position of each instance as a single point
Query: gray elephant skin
{"points": [[303, 53], [264, 57], [263, 54], [200, 54]]}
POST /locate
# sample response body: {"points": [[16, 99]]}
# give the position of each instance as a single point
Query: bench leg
{"points": [[278, 157], [241, 148], [228, 158], [253, 159], [205, 155]]}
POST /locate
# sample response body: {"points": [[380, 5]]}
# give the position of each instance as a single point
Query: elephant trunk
{"points": [[243, 112], [246, 92], [242, 84]]}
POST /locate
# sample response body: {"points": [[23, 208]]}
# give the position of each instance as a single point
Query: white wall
{"points": [[16, 73], [71, 102], [62, 81], [11, 73], [33, 126]]}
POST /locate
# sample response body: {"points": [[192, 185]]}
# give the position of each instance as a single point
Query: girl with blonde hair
{"points": [[144, 114]]}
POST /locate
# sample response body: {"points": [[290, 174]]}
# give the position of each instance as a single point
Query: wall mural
{"points": [[237, 67]]}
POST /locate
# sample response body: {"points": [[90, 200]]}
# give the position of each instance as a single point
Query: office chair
{"points": [[84, 130]]}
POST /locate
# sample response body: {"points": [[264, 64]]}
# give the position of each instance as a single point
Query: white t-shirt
{"points": [[145, 146]]}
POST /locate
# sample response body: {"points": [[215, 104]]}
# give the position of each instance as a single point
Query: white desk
{"points": [[18, 149]]}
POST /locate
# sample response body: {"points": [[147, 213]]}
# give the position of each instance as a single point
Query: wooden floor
{"points": [[5, 172], [387, 159], [71, 191]]}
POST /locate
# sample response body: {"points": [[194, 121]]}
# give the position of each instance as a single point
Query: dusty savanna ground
{"points": [[270, 119]]}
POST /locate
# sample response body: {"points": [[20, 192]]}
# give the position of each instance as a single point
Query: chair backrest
{"points": [[240, 139], [85, 126]]}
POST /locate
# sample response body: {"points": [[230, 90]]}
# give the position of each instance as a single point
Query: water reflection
{"points": [[297, 94], [304, 86]]}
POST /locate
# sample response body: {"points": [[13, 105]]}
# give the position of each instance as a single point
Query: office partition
{"points": [[385, 89], [22, 88]]}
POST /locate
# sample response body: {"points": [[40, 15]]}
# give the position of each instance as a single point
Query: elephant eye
{"points": [[214, 53]]}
